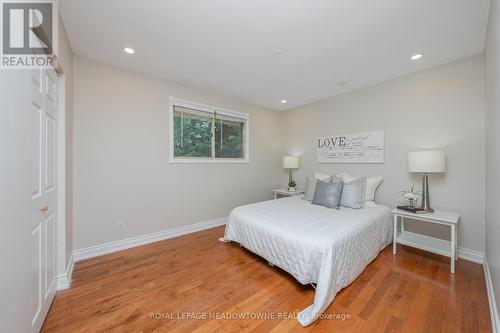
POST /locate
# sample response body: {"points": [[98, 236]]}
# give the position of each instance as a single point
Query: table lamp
{"points": [[290, 163], [426, 162]]}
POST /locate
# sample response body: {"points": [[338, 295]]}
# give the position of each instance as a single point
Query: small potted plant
{"points": [[291, 186], [411, 196]]}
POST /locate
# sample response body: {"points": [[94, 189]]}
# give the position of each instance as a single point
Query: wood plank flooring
{"points": [[160, 287]]}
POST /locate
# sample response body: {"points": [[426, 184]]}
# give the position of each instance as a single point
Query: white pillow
{"points": [[346, 178], [321, 176], [311, 187], [371, 184], [369, 204]]}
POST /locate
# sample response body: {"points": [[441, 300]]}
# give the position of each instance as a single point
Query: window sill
{"points": [[207, 161]]}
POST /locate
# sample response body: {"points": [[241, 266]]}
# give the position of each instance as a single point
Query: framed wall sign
{"points": [[367, 147]]}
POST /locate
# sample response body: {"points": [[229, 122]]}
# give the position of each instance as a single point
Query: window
{"points": [[205, 134], [192, 133]]}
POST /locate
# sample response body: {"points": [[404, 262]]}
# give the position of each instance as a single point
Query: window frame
{"points": [[210, 109]]}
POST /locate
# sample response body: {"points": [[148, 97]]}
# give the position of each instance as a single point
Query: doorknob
{"points": [[45, 209]]}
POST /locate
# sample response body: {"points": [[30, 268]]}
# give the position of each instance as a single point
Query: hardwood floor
{"points": [[197, 275]]}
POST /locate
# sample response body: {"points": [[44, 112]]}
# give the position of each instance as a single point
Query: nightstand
{"points": [[431, 244], [283, 192]]}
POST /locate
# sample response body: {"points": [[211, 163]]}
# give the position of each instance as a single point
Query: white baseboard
{"points": [[64, 280], [495, 321], [471, 255], [99, 250]]}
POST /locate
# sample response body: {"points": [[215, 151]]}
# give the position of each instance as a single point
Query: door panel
{"points": [[37, 272], [50, 242], [37, 125], [49, 108], [51, 85], [50, 152]]}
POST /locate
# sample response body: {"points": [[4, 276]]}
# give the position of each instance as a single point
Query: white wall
{"points": [[492, 69], [16, 139], [442, 108], [122, 169]]}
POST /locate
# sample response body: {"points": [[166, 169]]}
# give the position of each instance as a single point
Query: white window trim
{"points": [[210, 109]]}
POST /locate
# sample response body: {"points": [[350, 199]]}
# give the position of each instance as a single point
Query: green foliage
{"points": [[193, 137], [229, 139], [292, 184]]}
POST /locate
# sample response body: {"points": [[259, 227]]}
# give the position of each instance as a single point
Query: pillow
{"points": [[321, 176], [311, 185], [352, 194], [371, 186], [327, 194], [346, 178], [369, 204]]}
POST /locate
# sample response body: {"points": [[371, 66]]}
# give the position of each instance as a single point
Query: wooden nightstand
{"points": [[283, 192], [431, 244]]}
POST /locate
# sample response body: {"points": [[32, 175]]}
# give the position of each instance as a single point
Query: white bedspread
{"points": [[314, 244]]}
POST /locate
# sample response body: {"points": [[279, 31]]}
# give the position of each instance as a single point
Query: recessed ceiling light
{"points": [[416, 56], [283, 101], [129, 50]]}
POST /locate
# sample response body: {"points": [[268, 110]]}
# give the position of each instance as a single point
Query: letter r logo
{"points": [[27, 27]]}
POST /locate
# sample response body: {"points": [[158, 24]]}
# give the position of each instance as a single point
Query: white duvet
{"points": [[314, 244]]}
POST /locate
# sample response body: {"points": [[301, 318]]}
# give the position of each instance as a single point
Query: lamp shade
{"points": [[290, 162], [426, 161]]}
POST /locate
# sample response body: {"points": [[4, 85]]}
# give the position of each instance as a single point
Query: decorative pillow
{"points": [[311, 185], [352, 194], [346, 178], [371, 186], [336, 179], [369, 204], [321, 176], [328, 194]]}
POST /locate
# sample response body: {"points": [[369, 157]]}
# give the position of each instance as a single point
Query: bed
{"points": [[327, 247]]}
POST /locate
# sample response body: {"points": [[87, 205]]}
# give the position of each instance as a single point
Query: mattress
{"points": [[315, 244]]}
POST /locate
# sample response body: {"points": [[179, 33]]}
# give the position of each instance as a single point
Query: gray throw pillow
{"points": [[352, 194], [328, 194]]}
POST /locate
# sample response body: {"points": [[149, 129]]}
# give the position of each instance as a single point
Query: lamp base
{"points": [[426, 206]]}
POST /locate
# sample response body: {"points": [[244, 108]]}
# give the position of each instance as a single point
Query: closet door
{"points": [[44, 192]]}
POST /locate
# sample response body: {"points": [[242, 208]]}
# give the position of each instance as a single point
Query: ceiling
{"points": [[263, 51]]}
